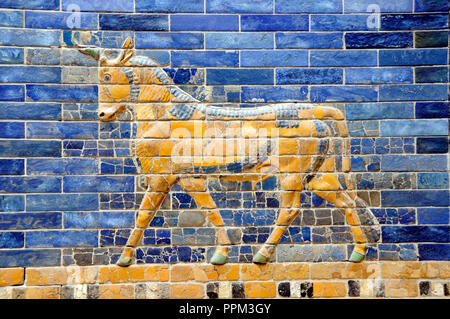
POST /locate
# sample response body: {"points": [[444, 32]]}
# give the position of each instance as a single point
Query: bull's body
{"points": [[180, 140]]}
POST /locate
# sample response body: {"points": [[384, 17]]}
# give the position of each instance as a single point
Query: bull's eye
{"points": [[107, 77]]}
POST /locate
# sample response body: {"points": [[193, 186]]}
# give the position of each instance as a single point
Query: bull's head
{"points": [[115, 88]]}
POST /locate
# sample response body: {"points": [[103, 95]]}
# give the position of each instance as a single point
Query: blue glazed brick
{"points": [[12, 93], [11, 239], [385, 6], [432, 144], [59, 20], [30, 74], [136, 22], [274, 23], [414, 163], [434, 251], [309, 76], [12, 166], [62, 130], [433, 215], [43, 184], [11, 56], [310, 40], [365, 163], [274, 58], [48, 220], [343, 93], [308, 253], [64, 93], [31, 111], [88, 5], [115, 39], [413, 57], [430, 39], [413, 127], [30, 257], [306, 6], [62, 238], [274, 93], [12, 203], [413, 92], [363, 128], [64, 202], [161, 40], [205, 58], [30, 148], [343, 58], [31, 4], [243, 6], [98, 219], [432, 180], [369, 111], [378, 75], [398, 234], [325, 22], [239, 76], [379, 40], [27, 37], [73, 184], [162, 57], [11, 19], [414, 21], [260, 40], [432, 109], [12, 129], [413, 198], [430, 5], [43, 56], [169, 6], [181, 22], [431, 74]]}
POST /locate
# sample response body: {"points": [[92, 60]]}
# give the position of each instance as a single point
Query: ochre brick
{"points": [[290, 271], [116, 292], [406, 270], [11, 276], [444, 269], [257, 272], [133, 273], [181, 273], [61, 275], [187, 291], [336, 270], [400, 288], [37, 293], [260, 289], [429, 270], [206, 273], [329, 289]]}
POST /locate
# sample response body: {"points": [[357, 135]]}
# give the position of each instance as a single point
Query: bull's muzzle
{"points": [[110, 112]]}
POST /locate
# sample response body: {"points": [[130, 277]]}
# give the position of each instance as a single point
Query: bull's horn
{"points": [[93, 52]]}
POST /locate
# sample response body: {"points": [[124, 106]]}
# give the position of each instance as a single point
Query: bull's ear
{"points": [[128, 44], [93, 52]]}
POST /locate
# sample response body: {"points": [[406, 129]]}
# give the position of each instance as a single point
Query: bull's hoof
{"points": [[125, 261], [218, 259], [259, 259], [358, 253]]}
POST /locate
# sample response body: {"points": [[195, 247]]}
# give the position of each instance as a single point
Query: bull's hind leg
{"points": [[327, 186], [158, 188], [197, 189]]}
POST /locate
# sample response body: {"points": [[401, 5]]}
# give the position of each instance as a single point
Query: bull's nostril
{"points": [[101, 114]]}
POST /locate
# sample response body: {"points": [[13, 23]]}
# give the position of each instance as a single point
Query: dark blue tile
{"points": [[274, 93], [309, 76], [433, 215], [274, 23], [239, 76], [27, 37], [274, 58], [62, 202], [62, 130], [432, 180], [11, 56], [431, 5], [399, 234], [379, 40], [62, 238], [30, 257], [47, 220], [432, 144], [414, 163], [135, 22], [16, 148], [161, 40], [30, 111], [43, 184], [414, 21], [432, 109], [12, 93], [343, 58], [368, 111], [306, 6], [12, 129], [88, 5], [309, 40], [362, 6], [413, 92], [74, 184], [63, 93], [99, 219], [11, 239], [432, 74], [12, 203], [247, 40], [329, 22], [31, 4], [59, 20], [413, 57], [204, 23], [343, 93], [429, 39], [205, 58], [412, 198], [169, 6], [242, 6], [12, 166], [434, 251], [378, 75]]}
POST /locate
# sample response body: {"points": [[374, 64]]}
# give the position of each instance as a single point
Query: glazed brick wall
{"points": [[69, 190]]}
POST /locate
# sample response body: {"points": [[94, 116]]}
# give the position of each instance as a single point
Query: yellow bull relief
{"points": [[181, 140]]}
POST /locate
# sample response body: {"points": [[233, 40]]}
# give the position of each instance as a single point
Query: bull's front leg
{"points": [[158, 188]]}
